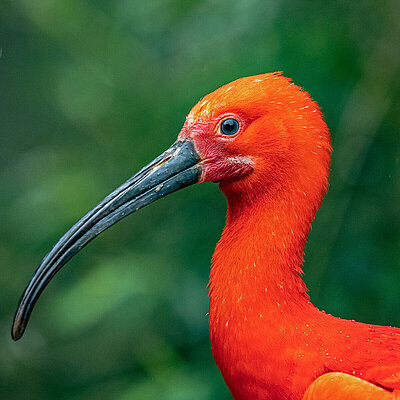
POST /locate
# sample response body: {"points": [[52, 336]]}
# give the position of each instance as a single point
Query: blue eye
{"points": [[229, 127]]}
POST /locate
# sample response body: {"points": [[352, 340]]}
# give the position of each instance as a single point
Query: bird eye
{"points": [[229, 127]]}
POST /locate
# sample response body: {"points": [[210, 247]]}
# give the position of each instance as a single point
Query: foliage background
{"points": [[92, 90]]}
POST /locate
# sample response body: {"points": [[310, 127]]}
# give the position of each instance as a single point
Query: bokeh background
{"points": [[90, 91]]}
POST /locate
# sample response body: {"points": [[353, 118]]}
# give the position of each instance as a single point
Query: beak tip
{"points": [[18, 328], [16, 334]]}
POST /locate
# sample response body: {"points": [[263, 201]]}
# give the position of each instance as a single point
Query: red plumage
{"points": [[267, 338]]}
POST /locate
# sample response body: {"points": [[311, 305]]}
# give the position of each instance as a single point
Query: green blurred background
{"points": [[90, 91]]}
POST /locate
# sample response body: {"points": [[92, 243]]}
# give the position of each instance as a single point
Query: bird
{"points": [[264, 140]]}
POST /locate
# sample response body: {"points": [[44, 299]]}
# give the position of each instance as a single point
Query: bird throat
{"points": [[255, 289], [258, 259]]}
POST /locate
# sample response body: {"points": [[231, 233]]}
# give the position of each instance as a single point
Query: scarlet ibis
{"points": [[265, 141]]}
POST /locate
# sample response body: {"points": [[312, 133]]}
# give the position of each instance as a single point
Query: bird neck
{"points": [[257, 264]]}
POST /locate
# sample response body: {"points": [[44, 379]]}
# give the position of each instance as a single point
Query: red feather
{"points": [[267, 338]]}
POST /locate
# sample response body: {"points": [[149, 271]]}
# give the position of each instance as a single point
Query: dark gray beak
{"points": [[174, 169]]}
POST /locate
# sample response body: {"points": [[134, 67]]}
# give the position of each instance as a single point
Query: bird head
{"points": [[255, 136]]}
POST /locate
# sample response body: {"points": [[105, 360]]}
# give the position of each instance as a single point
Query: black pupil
{"points": [[229, 126]]}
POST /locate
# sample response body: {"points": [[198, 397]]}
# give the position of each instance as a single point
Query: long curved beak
{"points": [[176, 168]]}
